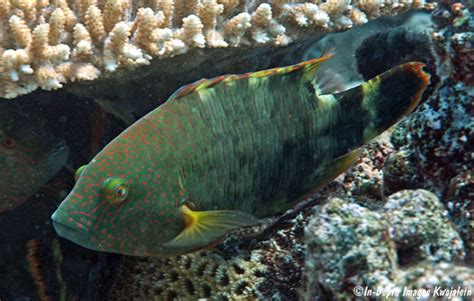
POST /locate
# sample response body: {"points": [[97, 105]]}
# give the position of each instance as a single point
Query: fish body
{"points": [[224, 152], [30, 155]]}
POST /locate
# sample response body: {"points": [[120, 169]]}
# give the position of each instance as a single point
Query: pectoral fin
{"points": [[205, 227]]}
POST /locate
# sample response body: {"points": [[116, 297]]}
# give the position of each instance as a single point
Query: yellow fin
{"points": [[205, 227]]}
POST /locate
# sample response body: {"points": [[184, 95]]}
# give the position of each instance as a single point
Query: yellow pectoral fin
{"points": [[205, 227]]}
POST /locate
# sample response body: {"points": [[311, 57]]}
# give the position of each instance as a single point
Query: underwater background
{"points": [[75, 74]]}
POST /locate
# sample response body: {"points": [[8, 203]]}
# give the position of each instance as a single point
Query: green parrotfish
{"points": [[223, 152], [30, 155]]}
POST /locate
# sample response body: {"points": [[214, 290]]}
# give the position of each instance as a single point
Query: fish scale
{"points": [[294, 100], [224, 152]]}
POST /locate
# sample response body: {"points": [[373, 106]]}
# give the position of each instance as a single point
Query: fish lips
{"points": [[79, 235]]}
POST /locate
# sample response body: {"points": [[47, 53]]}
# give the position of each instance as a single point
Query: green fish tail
{"points": [[388, 97], [393, 94]]}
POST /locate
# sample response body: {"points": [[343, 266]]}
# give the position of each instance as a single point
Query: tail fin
{"points": [[388, 97]]}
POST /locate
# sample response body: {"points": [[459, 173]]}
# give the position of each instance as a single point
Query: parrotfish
{"points": [[223, 153], [30, 155]]}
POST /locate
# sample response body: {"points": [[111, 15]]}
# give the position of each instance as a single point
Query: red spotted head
{"points": [[125, 200]]}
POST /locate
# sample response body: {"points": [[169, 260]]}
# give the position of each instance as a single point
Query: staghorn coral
{"points": [[44, 44], [34, 267]]}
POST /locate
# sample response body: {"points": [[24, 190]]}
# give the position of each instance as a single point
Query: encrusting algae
{"points": [[44, 44]]}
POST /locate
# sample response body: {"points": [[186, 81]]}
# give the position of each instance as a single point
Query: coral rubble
{"points": [[365, 181], [349, 245], [400, 171], [48, 43], [343, 238], [442, 130], [440, 276]]}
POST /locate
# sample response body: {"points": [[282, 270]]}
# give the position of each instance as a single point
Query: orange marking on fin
{"points": [[425, 80], [309, 66]]}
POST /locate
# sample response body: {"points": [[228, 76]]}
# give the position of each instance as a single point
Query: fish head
{"points": [[30, 155], [114, 207]]}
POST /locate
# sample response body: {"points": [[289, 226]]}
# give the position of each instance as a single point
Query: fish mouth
{"points": [[78, 235]]}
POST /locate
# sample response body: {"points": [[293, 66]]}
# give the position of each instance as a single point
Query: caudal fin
{"points": [[393, 94], [388, 97]]}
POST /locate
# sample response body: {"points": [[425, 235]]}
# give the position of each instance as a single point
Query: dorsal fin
{"points": [[309, 68]]}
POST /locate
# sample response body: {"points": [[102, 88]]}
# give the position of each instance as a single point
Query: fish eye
{"points": [[116, 190], [79, 172], [9, 143], [120, 191]]}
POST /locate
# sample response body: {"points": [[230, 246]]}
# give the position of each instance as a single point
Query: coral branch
{"points": [[144, 29]]}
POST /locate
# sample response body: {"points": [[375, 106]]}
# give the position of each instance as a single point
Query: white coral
{"points": [[45, 43]]}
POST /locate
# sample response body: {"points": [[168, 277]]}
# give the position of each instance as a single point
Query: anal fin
{"points": [[331, 170]]}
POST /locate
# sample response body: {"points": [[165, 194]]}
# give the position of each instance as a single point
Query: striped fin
{"points": [[308, 68]]}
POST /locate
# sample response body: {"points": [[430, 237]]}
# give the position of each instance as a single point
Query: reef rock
{"points": [[441, 276], [460, 203], [435, 144], [420, 228], [348, 245], [442, 130], [400, 171]]}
